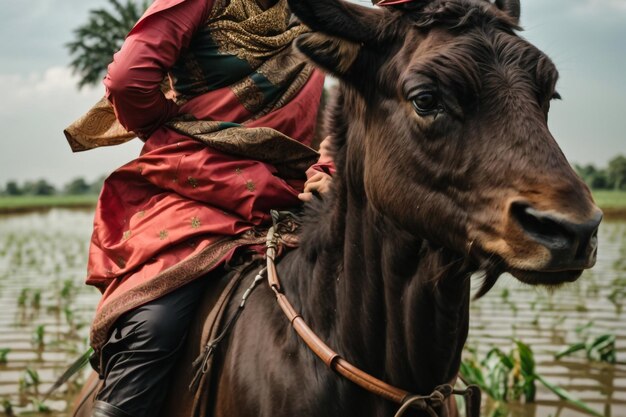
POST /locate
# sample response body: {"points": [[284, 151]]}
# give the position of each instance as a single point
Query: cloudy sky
{"points": [[586, 39]]}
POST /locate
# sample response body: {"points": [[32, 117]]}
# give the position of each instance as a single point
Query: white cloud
{"points": [[35, 109], [600, 6], [50, 83]]}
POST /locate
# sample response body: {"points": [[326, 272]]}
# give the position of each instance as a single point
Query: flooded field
{"points": [[47, 309], [551, 321]]}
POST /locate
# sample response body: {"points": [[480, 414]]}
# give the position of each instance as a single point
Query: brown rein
{"points": [[364, 380]]}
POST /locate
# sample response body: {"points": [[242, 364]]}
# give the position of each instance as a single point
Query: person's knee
{"points": [[158, 328]]}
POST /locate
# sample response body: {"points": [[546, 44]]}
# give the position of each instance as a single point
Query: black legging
{"points": [[143, 347]]}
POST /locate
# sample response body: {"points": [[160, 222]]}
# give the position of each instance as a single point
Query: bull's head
{"points": [[446, 110]]}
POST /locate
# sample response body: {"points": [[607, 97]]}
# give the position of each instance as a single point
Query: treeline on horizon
{"points": [[41, 187], [613, 177]]}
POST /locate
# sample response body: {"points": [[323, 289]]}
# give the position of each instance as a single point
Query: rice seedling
{"points": [[617, 297], [68, 290], [69, 316], [28, 385], [40, 406], [599, 349], [36, 299], [512, 377], [23, 297], [4, 352], [7, 407], [39, 336]]}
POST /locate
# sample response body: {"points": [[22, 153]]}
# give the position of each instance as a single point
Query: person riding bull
{"points": [[227, 139]]}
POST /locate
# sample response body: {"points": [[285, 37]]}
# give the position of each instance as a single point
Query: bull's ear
{"points": [[332, 54], [339, 18], [510, 7]]}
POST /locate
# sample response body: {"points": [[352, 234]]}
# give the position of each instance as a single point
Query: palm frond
{"points": [[100, 37]]}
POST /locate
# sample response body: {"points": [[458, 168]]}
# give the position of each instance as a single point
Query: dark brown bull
{"points": [[446, 167]]}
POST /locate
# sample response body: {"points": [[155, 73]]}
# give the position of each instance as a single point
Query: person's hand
{"points": [[319, 183]]}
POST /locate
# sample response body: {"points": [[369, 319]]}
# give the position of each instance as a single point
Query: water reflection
{"points": [[547, 321], [47, 309]]}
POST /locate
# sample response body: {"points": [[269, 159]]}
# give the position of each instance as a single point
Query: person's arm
{"points": [[319, 175], [152, 47]]}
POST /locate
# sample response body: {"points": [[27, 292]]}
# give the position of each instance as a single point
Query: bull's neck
{"points": [[386, 301]]}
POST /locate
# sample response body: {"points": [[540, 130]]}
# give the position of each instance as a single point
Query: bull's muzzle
{"points": [[572, 245]]}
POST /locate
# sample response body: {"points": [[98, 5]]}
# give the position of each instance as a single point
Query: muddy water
{"points": [[547, 321], [46, 310]]}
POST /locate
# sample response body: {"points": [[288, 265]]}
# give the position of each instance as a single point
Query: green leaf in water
{"points": [[38, 336], [3, 354], [73, 369], [40, 406], [601, 349], [583, 328], [576, 347], [565, 395], [31, 378]]}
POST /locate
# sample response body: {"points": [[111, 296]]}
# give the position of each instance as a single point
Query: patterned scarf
{"points": [[241, 31]]}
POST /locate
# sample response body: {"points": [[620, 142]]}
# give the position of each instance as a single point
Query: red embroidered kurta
{"points": [[169, 216]]}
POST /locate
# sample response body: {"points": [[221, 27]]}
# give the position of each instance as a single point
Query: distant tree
{"points": [[96, 186], [12, 188], [39, 187], [77, 186], [617, 172], [96, 41], [595, 178]]}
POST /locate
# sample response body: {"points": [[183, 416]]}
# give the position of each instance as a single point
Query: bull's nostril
{"points": [[572, 244], [542, 227], [587, 246]]}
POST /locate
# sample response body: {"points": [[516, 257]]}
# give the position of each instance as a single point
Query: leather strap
{"points": [[344, 368], [210, 331]]}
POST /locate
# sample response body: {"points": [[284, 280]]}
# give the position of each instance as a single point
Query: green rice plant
{"points": [[73, 370], [599, 349], [584, 327], [39, 336], [52, 310], [32, 377], [21, 299], [503, 377], [512, 377], [616, 297], [35, 301], [535, 321], [40, 406], [3, 354], [7, 406], [581, 308], [69, 316], [28, 384], [68, 290]]}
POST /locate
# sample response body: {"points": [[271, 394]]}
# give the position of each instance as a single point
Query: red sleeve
{"points": [[327, 167], [152, 47], [325, 164]]}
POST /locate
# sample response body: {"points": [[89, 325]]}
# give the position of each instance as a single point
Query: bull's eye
{"points": [[426, 103]]}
